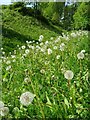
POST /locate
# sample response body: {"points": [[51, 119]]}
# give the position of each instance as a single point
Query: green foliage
{"points": [[81, 16], [16, 5], [19, 26], [45, 78], [53, 11]]}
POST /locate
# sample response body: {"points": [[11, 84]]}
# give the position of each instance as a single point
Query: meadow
{"points": [[47, 80]]}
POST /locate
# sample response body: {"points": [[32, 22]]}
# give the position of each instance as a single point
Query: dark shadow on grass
{"points": [[10, 33], [11, 39], [43, 20]]}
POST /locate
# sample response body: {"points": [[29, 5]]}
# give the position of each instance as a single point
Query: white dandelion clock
{"points": [[55, 47], [62, 46], [57, 57], [41, 38], [8, 67], [8, 62], [4, 111], [26, 51], [68, 75], [26, 98], [49, 51], [1, 104], [80, 55], [46, 42], [23, 47]]}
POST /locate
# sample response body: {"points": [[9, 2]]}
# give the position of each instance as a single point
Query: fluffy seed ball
{"points": [[26, 98], [68, 74], [1, 104], [4, 111], [80, 55]]}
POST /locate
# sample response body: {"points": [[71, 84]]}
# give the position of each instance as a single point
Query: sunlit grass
{"points": [[41, 70]]}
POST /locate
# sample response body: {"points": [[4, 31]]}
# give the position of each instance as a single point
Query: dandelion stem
{"points": [[80, 70], [69, 83], [43, 116]]}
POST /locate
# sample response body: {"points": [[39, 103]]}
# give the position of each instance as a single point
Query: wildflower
{"points": [[26, 80], [42, 71], [14, 60], [51, 38], [73, 34], [10, 53], [1, 48], [80, 55], [24, 55], [27, 51], [17, 45], [14, 51], [26, 98], [3, 53], [13, 56], [55, 47], [27, 42], [4, 111], [23, 47], [1, 104], [63, 70], [62, 46], [8, 67], [58, 56], [46, 42], [8, 62], [68, 74], [67, 38], [49, 51], [42, 50], [41, 38], [41, 43]]}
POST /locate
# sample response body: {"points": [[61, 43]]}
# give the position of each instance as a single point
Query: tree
{"points": [[81, 16]]}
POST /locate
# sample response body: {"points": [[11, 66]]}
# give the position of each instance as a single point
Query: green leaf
{"points": [[66, 102]]}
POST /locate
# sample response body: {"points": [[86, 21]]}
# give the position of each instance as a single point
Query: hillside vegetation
{"points": [[44, 69], [18, 28], [47, 81]]}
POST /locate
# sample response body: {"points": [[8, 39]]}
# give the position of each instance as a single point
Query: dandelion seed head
{"points": [[26, 98], [1, 104], [23, 47], [57, 57], [55, 47], [4, 111], [80, 55], [68, 75], [62, 46], [27, 51], [49, 51], [8, 62], [8, 67]]}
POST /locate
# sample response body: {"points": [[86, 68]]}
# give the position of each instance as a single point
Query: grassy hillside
{"points": [[18, 28], [49, 81]]}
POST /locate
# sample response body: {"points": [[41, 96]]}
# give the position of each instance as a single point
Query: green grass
{"points": [[18, 28], [54, 97]]}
